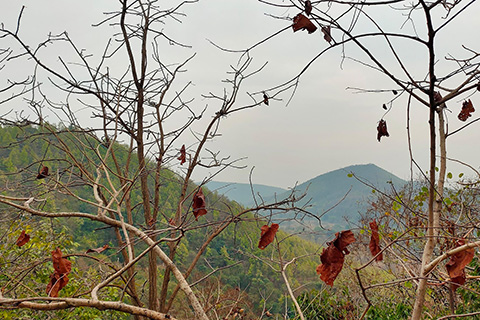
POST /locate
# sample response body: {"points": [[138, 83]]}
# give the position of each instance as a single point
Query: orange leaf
{"points": [[457, 263], [375, 241], [59, 278], [308, 7], [382, 129], [327, 33], [300, 22], [23, 239], [98, 250], [199, 204], [467, 108], [183, 155], [43, 173], [333, 256], [267, 235]]}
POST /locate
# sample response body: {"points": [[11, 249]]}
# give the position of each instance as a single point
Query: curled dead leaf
{"points": [[300, 22], [43, 173], [457, 263], [265, 98], [467, 109], [382, 129], [332, 257], [327, 35], [308, 7], [98, 250], [23, 238], [183, 155], [59, 278], [267, 235], [199, 204], [374, 244]]}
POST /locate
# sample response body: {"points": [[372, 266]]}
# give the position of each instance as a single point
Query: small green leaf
{"points": [[436, 169], [373, 191], [460, 175], [408, 284], [424, 189], [449, 175], [349, 175]]}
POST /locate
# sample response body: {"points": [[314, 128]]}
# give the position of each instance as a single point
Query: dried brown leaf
{"points": [[300, 22], [308, 7], [327, 35], [382, 129], [268, 235], [332, 257], [183, 155], [467, 109], [457, 263], [23, 238], [374, 245], [199, 204], [98, 250], [43, 173]]}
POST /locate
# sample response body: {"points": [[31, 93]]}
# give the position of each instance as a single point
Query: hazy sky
{"points": [[325, 126]]}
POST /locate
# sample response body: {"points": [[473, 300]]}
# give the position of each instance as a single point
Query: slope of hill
{"points": [[242, 192], [325, 193]]}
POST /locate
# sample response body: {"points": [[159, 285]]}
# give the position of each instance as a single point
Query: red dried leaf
{"points": [[457, 263], [265, 98], [43, 173], [199, 204], [327, 34], [308, 7], [183, 155], [98, 250], [59, 278], [333, 256], [467, 108], [382, 129], [57, 283], [374, 245], [300, 22], [23, 238], [267, 235]]}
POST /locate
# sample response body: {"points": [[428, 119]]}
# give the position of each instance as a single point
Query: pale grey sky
{"points": [[325, 126]]}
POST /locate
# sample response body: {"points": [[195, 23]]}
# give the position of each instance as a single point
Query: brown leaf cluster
{"points": [[43, 173], [457, 263], [199, 205], [265, 98], [267, 235], [183, 155], [332, 257], [467, 109], [374, 244], [59, 278], [300, 22], [23, 238], [382, 129]]}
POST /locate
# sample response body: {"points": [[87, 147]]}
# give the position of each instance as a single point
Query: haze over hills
{"points": [[324, 192]]}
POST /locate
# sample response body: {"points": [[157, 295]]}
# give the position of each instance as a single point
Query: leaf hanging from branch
{"points": [[333, 256], [199, 204], [23, 238], [267, 235], [327, 34], [98, 250], [374, 245], [457, 263], [467, 108], [59, 278], [265, 98], [43, 173], [308, 7], [300, 22], [183, 155], [382, 129]]}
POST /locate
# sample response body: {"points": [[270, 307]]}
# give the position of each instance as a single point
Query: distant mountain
{"points": [[324, 192], [242, 192]]}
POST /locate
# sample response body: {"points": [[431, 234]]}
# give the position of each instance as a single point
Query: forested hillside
{"points": [[243, 272]]}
